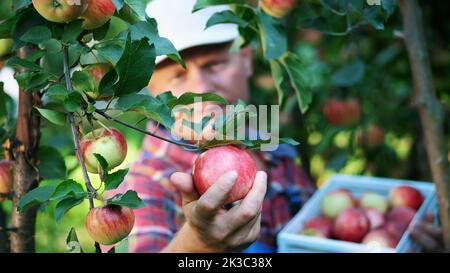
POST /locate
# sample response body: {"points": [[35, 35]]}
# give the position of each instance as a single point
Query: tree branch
{"points": [[103, 114], [430, 109], [76, 139]]}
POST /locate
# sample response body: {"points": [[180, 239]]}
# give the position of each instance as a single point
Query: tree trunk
{"points": [[26, 173], [429, 108], [4, 243]]}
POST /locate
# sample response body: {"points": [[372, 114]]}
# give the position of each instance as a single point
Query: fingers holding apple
{"points": [[110, 144]]}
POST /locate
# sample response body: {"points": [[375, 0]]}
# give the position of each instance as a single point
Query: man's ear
{"points": [[246, 56]]}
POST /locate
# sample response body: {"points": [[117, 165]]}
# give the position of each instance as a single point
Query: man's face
{"points": [[210, 68]]}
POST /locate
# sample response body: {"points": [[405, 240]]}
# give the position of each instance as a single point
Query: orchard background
{"points": [[339, 52]]}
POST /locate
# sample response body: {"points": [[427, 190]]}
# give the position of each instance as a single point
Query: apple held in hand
{"points": [[277, 8], [60, 11], [111, 145], [109, 224], [211, 165], [6, 178], [98, 12], [405, 196], [351, 225], [379, 238], [335, 202], [318, 226], [374, 201]]}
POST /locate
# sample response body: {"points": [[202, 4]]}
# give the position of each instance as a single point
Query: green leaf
{"points": [[36, 35], [16, 62], [72, 31], [68, 188], [65, 205], [110, 50], [226, 17], [113, 180], [389, 6], [289, 141], [349, 74], [51, 163], [73, 101], [73, 244], [149, 29], [54, 117], [102, 161], [83, 82], [294, 68], [135, 67], [35, 197], [189, 98], [281, 80], [201, 4], [129, 199], [148, 106], [273, 36], [57, 93]]}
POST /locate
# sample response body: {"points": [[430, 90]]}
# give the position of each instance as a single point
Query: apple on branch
{"points": [[6, 178], [5, 47], [109, 224], [98, 12], [278, 8], [60, 11], [214, 163], [110, 144]]}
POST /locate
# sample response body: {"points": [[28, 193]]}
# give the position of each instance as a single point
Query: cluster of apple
{"points": [[370, 219], [111, 223], [94, 13]]}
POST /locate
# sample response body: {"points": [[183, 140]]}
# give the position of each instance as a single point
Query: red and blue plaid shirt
{"points": [[157, 223]]}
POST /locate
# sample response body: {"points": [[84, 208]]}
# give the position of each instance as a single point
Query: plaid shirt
{"points": [[157, 223]]}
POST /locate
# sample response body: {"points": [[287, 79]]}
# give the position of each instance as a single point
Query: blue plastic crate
{"points": [[290, 241]]}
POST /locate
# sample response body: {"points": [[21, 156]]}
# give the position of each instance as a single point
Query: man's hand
{"points": [[428, 235], [209, 227]]}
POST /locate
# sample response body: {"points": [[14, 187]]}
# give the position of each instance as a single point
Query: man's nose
{"points": [[200, 82]]}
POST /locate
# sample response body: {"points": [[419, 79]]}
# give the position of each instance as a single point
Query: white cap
{"points": [[185, 29]]}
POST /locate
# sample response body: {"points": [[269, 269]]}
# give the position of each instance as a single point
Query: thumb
{"points": [[183, 182]]}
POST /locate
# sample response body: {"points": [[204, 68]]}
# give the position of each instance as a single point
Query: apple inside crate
{"points": [[291, 240]]}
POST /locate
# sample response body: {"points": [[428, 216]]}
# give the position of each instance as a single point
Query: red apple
{"points": [[60, 11], [402, 215], [5, 47], [376, 219], [111, 145], [373, 200], [6, 178], [109, 224], [278, 8], [320, 224], [395, 229], [214, 163], [353, 112], [379, 238], [405, 196], [342, 112], [98, 13], [335, 202], [351, 225], [97, 72]]}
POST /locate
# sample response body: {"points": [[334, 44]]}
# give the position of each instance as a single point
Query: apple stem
{"points": [[190, 146]]}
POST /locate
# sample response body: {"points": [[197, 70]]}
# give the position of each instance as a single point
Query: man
{"points": [[176, 218]]}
